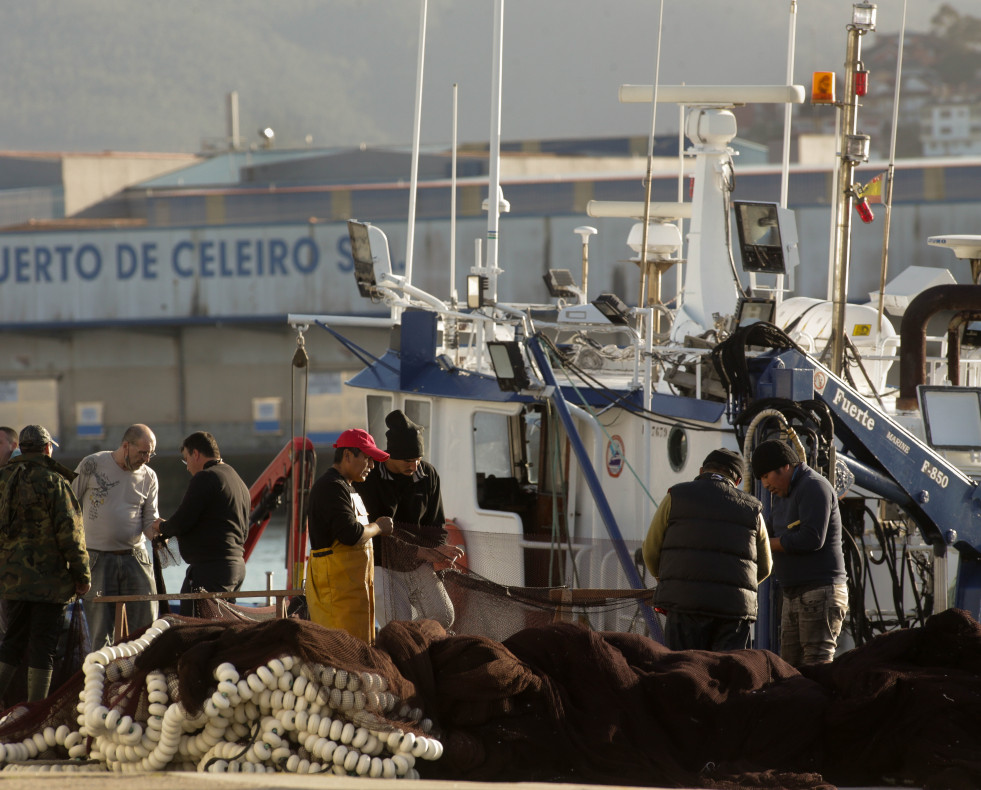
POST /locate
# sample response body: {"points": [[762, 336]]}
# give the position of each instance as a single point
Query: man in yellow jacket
{"points": [[341, 570]]}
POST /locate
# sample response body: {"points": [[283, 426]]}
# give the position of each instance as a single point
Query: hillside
{"points": [[137, 75]]}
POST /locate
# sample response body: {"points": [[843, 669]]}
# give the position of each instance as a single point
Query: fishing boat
{"points": [[558, 426]]}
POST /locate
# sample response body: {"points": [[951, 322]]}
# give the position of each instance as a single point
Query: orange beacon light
{"points": [[823, 87]]}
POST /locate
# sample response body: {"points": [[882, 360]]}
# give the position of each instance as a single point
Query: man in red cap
{"points": [[340, 581]]}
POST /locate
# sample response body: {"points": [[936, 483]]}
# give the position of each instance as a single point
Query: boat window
{"points": [[533, 444], [492, 450], [378, 407], [677, 448], [496, 484], [419, 412]]}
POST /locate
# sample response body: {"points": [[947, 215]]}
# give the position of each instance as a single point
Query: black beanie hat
{"points": [[404, 437], [771, 455], [727, 461]]}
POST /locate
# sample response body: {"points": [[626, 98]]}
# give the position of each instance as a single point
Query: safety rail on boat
{"points": [[936, 366], [122, 624], [566, 598]]}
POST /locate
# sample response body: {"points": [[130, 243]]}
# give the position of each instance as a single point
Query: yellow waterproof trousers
{"points": [[340, 589]]}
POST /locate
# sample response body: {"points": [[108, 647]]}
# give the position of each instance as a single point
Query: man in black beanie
{"points": [[407, 489], [805, 526], [707, 546]]}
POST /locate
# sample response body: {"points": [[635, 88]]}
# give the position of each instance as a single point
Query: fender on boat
{"points": [[454, 537]]}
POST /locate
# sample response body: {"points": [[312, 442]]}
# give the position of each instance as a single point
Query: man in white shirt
{"points": [[118, 495]]}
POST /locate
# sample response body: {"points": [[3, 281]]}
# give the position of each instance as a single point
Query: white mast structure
{"points": [[710, 127], [495, 195]]}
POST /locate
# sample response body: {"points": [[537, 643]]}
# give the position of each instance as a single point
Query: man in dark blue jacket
{"points": [[707, 546], [805, 528]]}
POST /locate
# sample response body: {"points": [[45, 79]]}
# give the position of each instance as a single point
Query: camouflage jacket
{"points": [[42, 543]]}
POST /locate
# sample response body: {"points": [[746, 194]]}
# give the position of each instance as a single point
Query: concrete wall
{"points": [[178, 380], [89, 178]]}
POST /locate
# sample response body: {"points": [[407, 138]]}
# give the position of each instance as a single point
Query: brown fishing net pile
{"points": [[563, 703]]}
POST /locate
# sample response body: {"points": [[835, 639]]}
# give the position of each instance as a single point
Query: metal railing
{"points": [[122, 625]]}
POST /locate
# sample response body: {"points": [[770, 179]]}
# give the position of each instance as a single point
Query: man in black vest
{"points": [[707, 547]]}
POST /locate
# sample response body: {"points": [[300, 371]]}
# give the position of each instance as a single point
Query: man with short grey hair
{"points": [[118, 494]]}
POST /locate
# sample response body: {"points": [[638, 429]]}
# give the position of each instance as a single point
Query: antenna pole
{"points": [[494, 185], [453, 203], [642, 300], [887, 192], [849, 156], [416, 126]]}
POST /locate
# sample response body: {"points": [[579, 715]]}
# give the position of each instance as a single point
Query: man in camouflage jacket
{"points": [[43, 561]]}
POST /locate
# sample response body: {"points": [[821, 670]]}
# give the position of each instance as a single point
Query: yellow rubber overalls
{"points": [[340, 584]]}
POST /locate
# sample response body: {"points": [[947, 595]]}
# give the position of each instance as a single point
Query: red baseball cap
{"points": [[361, 440]]}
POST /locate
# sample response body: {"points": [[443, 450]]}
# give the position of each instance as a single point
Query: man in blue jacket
{"points": [[805, 537]]}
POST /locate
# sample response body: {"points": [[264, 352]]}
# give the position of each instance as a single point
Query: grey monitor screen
{"points": [[952, 417]]}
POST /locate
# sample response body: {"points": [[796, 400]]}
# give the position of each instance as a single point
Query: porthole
{"points": [[677, 448]]}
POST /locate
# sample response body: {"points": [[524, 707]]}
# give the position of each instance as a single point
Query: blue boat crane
{"points": [[888, 460]]}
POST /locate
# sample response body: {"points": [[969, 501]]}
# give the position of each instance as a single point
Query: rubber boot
{"points": [[38, 683], [7, 672]]}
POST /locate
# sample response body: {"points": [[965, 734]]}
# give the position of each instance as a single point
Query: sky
{"points": [[561, 79], [128, 75]]}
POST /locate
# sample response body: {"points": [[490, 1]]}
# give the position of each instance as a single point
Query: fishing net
{"points": [[564, 703], [537, 581], [75, 646], [526, 685], [165, 557]]}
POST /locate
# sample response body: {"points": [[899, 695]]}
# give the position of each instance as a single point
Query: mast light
{"points": [[863, 16], [861, 80], [864, 210], [823, 87], [857, 147]]}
